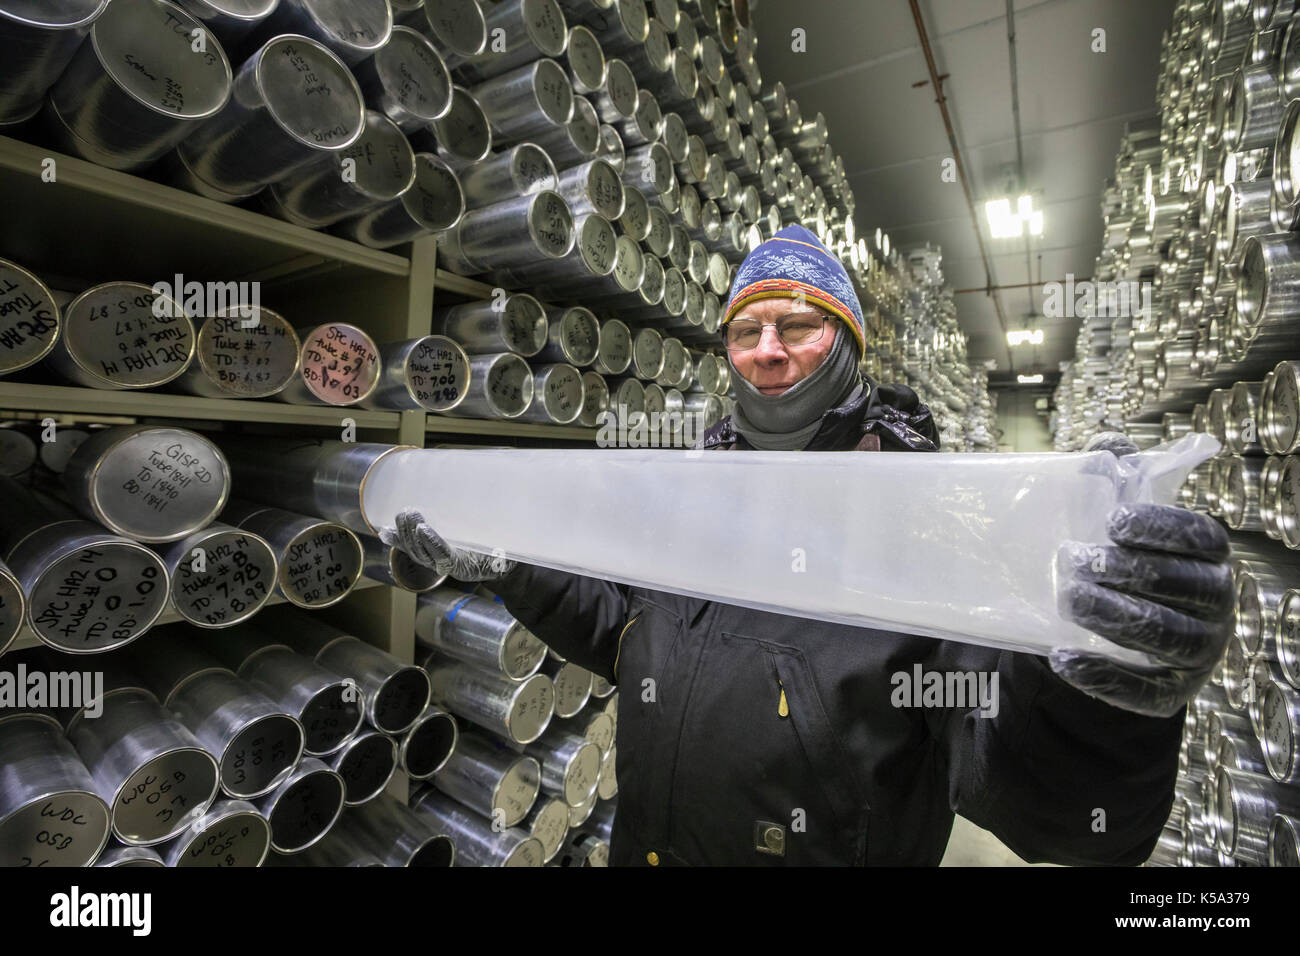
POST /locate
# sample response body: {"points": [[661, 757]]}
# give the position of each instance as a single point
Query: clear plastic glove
{"points": [[414, 536], [1164, 588]]}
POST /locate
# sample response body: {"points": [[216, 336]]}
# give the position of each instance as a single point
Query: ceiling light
{"points": [[1030, 379], [1004, 223], [998, 212], [1025, 337]]}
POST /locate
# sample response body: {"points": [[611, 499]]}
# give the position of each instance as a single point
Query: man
{"points": [[748, 737]]}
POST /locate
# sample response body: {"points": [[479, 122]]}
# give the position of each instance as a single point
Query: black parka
{"points": [[732, 721]]}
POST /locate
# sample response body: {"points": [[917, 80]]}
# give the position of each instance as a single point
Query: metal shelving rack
{"points": [[76, 224]]}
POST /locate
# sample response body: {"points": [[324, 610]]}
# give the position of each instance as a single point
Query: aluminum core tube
{"points": [[456, 26], [151, 484], [524, 229], [276, 122], [396, 693], [572, 686], [570, 765], [94, 352], [255, 742], [136, 88], [490, 779], [1281, 409], [13, 607], [321, 477], [29, 316], [221, 575], [395, 567], [400, 837], [375, 169], [40, 40], [592, 187], [366, 763], [339, 365], [548, 821], [577, 141], [501, 386], [518, 711], [238, 358], [429, 373], [50, 814], [1244, 808], [595, 399], [336, 849], [1269, 289], [151, 771], [431, 204], [614, 349], [230, 833], [515, 324], [557, 395], [531, 100], [477, 844], [592, 256], [1280, 718], [230, 20], [520, 170], [406, 80], [116, 854], [299, 541], [304, 807], [462, 137], [429, 744], [585, 60], [522, 31], [478, 631], [329, 706], [118, 586], [573, 336], [353, 29]]}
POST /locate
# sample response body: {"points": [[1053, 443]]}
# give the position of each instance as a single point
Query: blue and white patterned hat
{"points": [[791, 264]]}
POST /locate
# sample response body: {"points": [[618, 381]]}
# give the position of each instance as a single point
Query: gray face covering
{"points": [[788, 422]]}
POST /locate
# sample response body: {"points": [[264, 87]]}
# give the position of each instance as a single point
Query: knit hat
{"points": [[794, 263]]}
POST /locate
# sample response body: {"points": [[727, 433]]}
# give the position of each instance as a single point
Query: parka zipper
{"points": [[782, 708]]}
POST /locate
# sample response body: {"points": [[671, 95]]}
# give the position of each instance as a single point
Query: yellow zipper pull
{"points": [[783, 708]]}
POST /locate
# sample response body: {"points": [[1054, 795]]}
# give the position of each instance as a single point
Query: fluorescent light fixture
{"points": [[999, 213], [1030, 379], [1006, 224], [1025, 337]]}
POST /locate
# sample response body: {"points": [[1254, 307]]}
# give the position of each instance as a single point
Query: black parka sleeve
{"points": [[1058, 776], [582, 618]]}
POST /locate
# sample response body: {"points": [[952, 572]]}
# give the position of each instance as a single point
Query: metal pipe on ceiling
{"points": [[942, 100]]}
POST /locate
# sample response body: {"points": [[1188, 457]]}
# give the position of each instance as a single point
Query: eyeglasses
{"points": [[795, 329]]}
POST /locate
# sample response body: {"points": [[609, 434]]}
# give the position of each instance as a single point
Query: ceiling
{"points": [[865, 70]]}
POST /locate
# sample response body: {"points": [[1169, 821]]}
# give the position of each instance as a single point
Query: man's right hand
{"points": [[424, 546]]}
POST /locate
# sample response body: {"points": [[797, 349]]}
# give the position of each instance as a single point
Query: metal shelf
{"points": [[27, 638], [460, 285], [120, 226], [18, 396], [507, 429]]}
